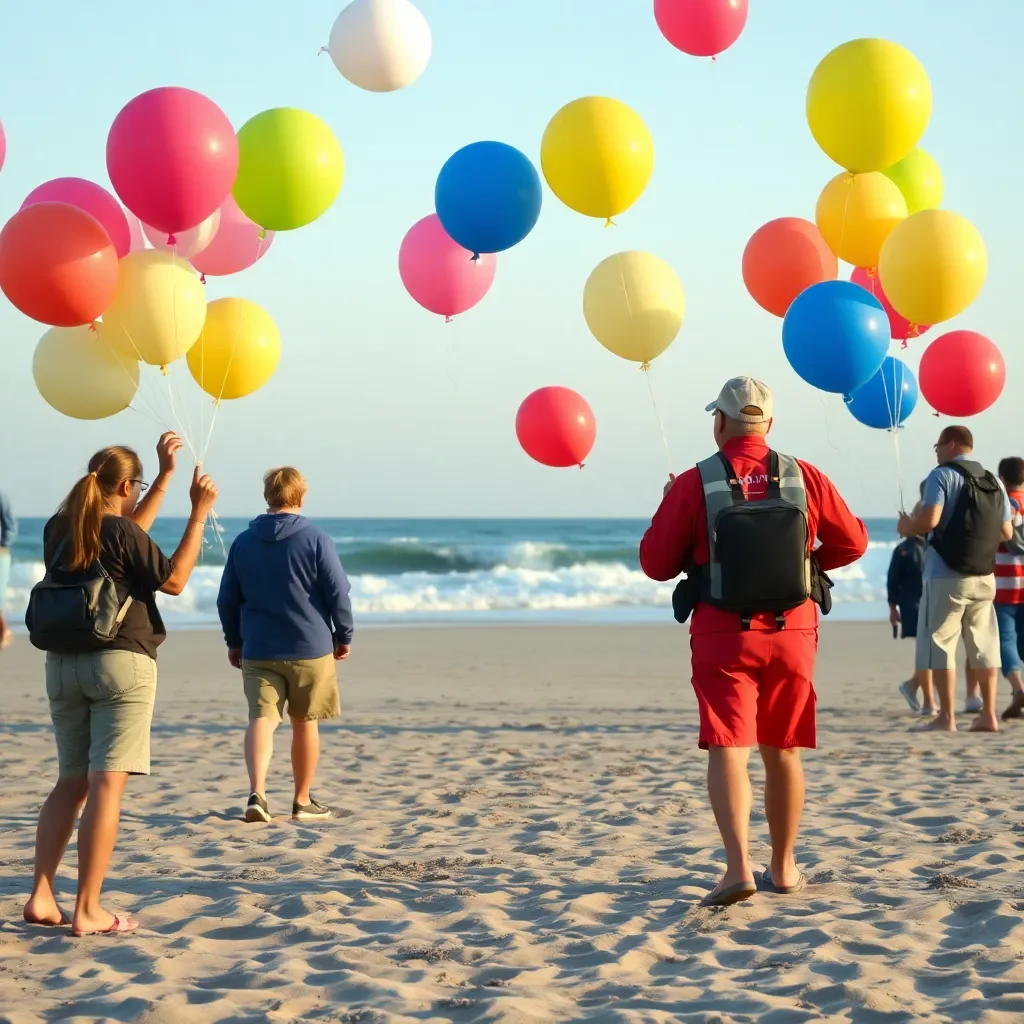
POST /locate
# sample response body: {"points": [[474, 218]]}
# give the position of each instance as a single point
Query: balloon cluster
{"points": [[914, 265], [207, 201]]}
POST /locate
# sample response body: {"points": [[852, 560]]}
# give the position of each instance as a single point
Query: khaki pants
{"points": [[308, 688], [955, 608]]}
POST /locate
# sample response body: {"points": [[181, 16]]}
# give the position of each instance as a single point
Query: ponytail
{"points": [[84, 507]]}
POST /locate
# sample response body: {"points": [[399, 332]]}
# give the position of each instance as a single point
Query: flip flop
{"points": [[121, 924], [765, 884], [730, 895]]}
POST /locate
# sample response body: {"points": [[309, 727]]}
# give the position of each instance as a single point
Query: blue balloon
{"points": [[488, 197], [835, 336], [888, 399]]}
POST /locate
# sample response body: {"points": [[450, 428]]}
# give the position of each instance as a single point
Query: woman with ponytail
{"points": [[101, 699]]}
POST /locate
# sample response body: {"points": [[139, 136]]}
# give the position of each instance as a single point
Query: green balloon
{"points": [[919, 178], [290, 169]]}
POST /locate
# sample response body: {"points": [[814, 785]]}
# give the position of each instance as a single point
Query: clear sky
{"points": [[390, 411]]}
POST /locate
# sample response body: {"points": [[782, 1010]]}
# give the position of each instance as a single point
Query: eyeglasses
{"points": [[143, 486]]}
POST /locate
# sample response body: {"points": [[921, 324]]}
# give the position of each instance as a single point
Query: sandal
{"points": [[120, 925]]}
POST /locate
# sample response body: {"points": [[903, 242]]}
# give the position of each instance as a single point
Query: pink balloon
{"points": [[439, 274], [135, 230], [236, 246], [3, 146], [92, 198], [701, 28], [172, 157], [900, 327]]}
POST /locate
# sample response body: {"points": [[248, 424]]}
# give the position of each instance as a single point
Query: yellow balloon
{"points": [[868, 104], [933, 266], [856, 213], [634, 305], [597, 155], [238, 350], [158, 309], [919, 178], [81, 376]]}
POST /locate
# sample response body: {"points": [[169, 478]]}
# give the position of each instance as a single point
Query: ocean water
{"points": [[482, 570]]}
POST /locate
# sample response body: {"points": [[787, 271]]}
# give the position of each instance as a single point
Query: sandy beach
{"points": [[522, 834]]}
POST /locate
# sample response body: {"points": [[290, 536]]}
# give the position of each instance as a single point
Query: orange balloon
{"points": [[782, 259], [57, 264]]}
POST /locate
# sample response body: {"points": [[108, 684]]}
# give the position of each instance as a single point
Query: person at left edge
{"points": [[8, 532], [752, 673]]}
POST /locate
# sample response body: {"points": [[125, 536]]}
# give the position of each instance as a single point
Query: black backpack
{"points": [[74, 612], [969, 541]]}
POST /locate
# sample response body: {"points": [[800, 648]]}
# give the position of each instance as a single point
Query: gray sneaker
{"points": [[257, 809], [310, 812], [910, 696]]}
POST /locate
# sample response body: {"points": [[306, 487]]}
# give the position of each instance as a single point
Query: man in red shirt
{"points": [[752, 672]]}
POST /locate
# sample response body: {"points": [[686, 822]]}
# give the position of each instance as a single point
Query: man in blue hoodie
{"points": [[284, 606]]}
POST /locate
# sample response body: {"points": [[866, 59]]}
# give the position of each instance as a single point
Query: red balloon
{"points": [[901, 328], [172, 157], [92, 198], [782, 259], [702, 28], [962, 373], [556, 427], [57, 264]]}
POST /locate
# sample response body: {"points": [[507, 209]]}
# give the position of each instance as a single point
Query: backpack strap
{"points": [[792, 488], [721, 491]]}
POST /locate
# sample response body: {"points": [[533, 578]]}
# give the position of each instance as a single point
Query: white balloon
{"points": [[187, 243], [381, 45]]}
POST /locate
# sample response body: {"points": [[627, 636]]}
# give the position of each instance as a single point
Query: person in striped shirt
{"points": [[1010, 588]]}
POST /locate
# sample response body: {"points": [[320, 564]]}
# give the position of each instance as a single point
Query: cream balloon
{"points": [[81, 376], [159, 308], [381, 45], [186, 243], [634, 305]]}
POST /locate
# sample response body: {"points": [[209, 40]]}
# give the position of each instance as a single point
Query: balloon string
{"points": [[645, 368], [894, 408], [227, 369], [846, 206]]}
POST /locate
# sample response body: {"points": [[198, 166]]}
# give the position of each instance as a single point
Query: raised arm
{"points": [[166, 452], [667, 547], [204, 496]]}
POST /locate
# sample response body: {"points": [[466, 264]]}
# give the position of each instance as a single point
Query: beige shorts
{"points": [[309, 688], [955, 608], [101, 704]]}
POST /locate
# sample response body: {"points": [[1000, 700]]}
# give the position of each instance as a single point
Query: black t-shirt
{"points": [[138, 568]]}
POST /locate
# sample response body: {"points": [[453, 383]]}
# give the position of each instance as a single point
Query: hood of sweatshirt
{"points": [[273, 528]]}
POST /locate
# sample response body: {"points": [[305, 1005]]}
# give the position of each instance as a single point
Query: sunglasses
{"points": [[143, 486]]}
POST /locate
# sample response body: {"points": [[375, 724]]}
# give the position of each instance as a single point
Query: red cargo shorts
{"points": [[755, 687]]}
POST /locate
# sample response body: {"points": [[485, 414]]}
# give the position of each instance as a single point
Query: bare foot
{"points": [[985, 723], [785, 875], [44, 912], [939, 724]]}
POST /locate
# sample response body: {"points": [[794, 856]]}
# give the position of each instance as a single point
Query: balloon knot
{"points": [[609, 223], [849, 179], [914, 332], [582, 466], [171, 240], [323, 49], [904, 343], [645, 366], [448, 319], [92, 327], [848, 399], [202, 278], [872, 272], [714, 59], [164, 370], [935, 414], [263, 233], [475, 258]]}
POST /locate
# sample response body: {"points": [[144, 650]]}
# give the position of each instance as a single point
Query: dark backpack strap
{"points": [[774, 480]]}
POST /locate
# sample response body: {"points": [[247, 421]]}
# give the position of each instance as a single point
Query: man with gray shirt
{"points": [[8, 531], [966, 511]]}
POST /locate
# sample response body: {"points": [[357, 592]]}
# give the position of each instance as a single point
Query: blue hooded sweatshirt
{"points": [[284, 595]]}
